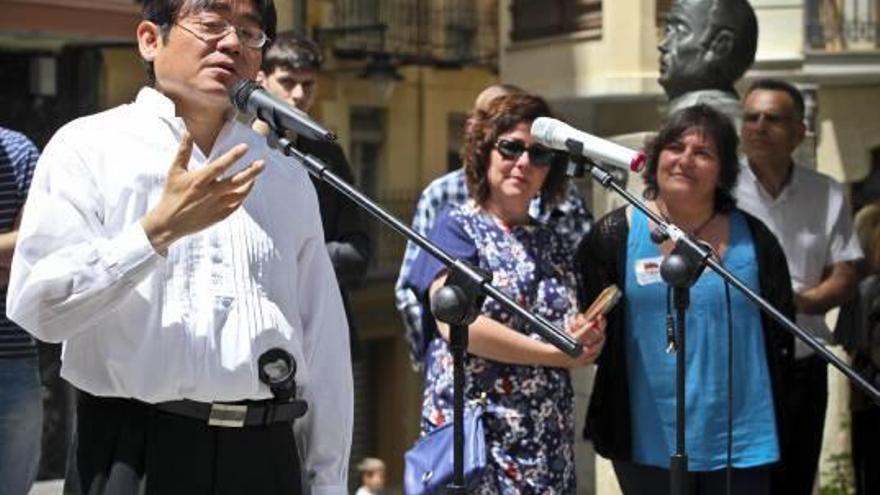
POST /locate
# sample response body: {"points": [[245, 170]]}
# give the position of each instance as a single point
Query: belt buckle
{"points": [[227, 415]]}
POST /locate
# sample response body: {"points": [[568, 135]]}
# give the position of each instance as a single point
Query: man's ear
{"points": [[149, 38], [721, 46], [801, 132], [261, 78]]}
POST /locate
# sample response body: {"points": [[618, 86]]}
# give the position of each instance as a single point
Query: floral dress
{"points": [[529, 422]]}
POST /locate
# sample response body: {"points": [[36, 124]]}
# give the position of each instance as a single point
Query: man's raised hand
{"points": [[194, 200]]}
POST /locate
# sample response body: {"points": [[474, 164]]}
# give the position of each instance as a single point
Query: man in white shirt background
{"points": [[808, 213], [157, 247]]}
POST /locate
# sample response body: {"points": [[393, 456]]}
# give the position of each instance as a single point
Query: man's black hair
{"points": [[164, 13], [797, 98], [292, 51]]}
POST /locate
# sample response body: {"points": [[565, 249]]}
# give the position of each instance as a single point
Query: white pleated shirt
{"points": [[191, 324], [812, 222]]}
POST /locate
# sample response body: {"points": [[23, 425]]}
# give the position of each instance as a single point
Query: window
{"points": [[367, 140], [367, 154], [448, 33], [533, 19], [835, 25]]}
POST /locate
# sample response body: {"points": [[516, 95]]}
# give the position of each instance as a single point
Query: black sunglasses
{"points": [[512, 149]]}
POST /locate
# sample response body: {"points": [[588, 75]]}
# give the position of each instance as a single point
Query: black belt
{"points": [[237, 414]]}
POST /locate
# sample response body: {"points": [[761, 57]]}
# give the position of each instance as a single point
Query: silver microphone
{"points": [[555, 134]]}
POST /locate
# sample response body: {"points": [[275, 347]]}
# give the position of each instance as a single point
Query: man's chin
{"points": [[663, 80], [761, 154], [214, 95], [218, 88]]}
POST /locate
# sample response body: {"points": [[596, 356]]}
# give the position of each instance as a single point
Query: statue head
{"points": [[708, 44]]}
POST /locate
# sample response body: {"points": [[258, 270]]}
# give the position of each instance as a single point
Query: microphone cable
{"points": [[671, 342], [729, 474]]}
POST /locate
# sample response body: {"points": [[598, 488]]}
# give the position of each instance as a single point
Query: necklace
{"points": [[714, 243], [696, 231]]}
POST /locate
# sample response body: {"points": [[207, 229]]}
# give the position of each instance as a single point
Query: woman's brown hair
{"points": [[504, 114]]}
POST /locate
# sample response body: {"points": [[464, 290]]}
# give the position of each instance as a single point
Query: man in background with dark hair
{"points": [[290, 72], [807, 212], [199, 322]]}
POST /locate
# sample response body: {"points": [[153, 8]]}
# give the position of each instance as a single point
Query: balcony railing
{"points": [[428, 32], [841, 25]]}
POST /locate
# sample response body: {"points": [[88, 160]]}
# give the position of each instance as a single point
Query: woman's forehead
{"points": [[518, 128], [699, 133]]}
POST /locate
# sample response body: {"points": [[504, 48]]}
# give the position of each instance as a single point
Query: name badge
{"points": [[648, 271]]}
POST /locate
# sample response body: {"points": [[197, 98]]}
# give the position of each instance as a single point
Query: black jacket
{"points": [[601, 260]]}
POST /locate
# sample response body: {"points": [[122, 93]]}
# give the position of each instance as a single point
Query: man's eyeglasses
{"points": [[212, 30], [512, 149]]}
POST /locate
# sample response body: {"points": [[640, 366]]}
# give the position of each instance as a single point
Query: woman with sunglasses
{"points": [[524, 381], [691, 171]]}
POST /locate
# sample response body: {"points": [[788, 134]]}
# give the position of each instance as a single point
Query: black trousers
{"points": [[806, 401], [638, 479], [866, 450], [126, 447]]}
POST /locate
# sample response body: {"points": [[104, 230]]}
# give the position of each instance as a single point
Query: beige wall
{"points": [[285, 14], [848, 130], [623, 61], [122, 75], [417, 112], [781, 31]]}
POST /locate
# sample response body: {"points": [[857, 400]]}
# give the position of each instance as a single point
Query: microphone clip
{"points": [[576, 166], [579, 164], [659, 236], [277, 369]]}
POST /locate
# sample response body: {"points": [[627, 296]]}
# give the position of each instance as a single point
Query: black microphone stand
{"points": [[457, 303], [680, 270]]}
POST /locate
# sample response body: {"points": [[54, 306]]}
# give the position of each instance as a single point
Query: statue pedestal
{"points": [[605, 201]]}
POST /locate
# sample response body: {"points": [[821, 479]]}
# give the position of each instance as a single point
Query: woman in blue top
{"points": [[692, 169], [529, 425]]}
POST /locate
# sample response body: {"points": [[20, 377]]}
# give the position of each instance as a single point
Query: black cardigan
{"points": [[601, 260]]}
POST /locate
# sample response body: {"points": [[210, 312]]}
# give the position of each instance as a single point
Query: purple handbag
{"points": [[429, 463]]}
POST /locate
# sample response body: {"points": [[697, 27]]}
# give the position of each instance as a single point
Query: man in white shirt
{"points": [[808, 213], [290, 72], [168, 285]]}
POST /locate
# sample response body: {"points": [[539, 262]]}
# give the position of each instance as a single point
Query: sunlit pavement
{"points": [[53, 487]]}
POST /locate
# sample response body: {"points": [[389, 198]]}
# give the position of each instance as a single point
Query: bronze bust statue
{"points": [[708, 46]]}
